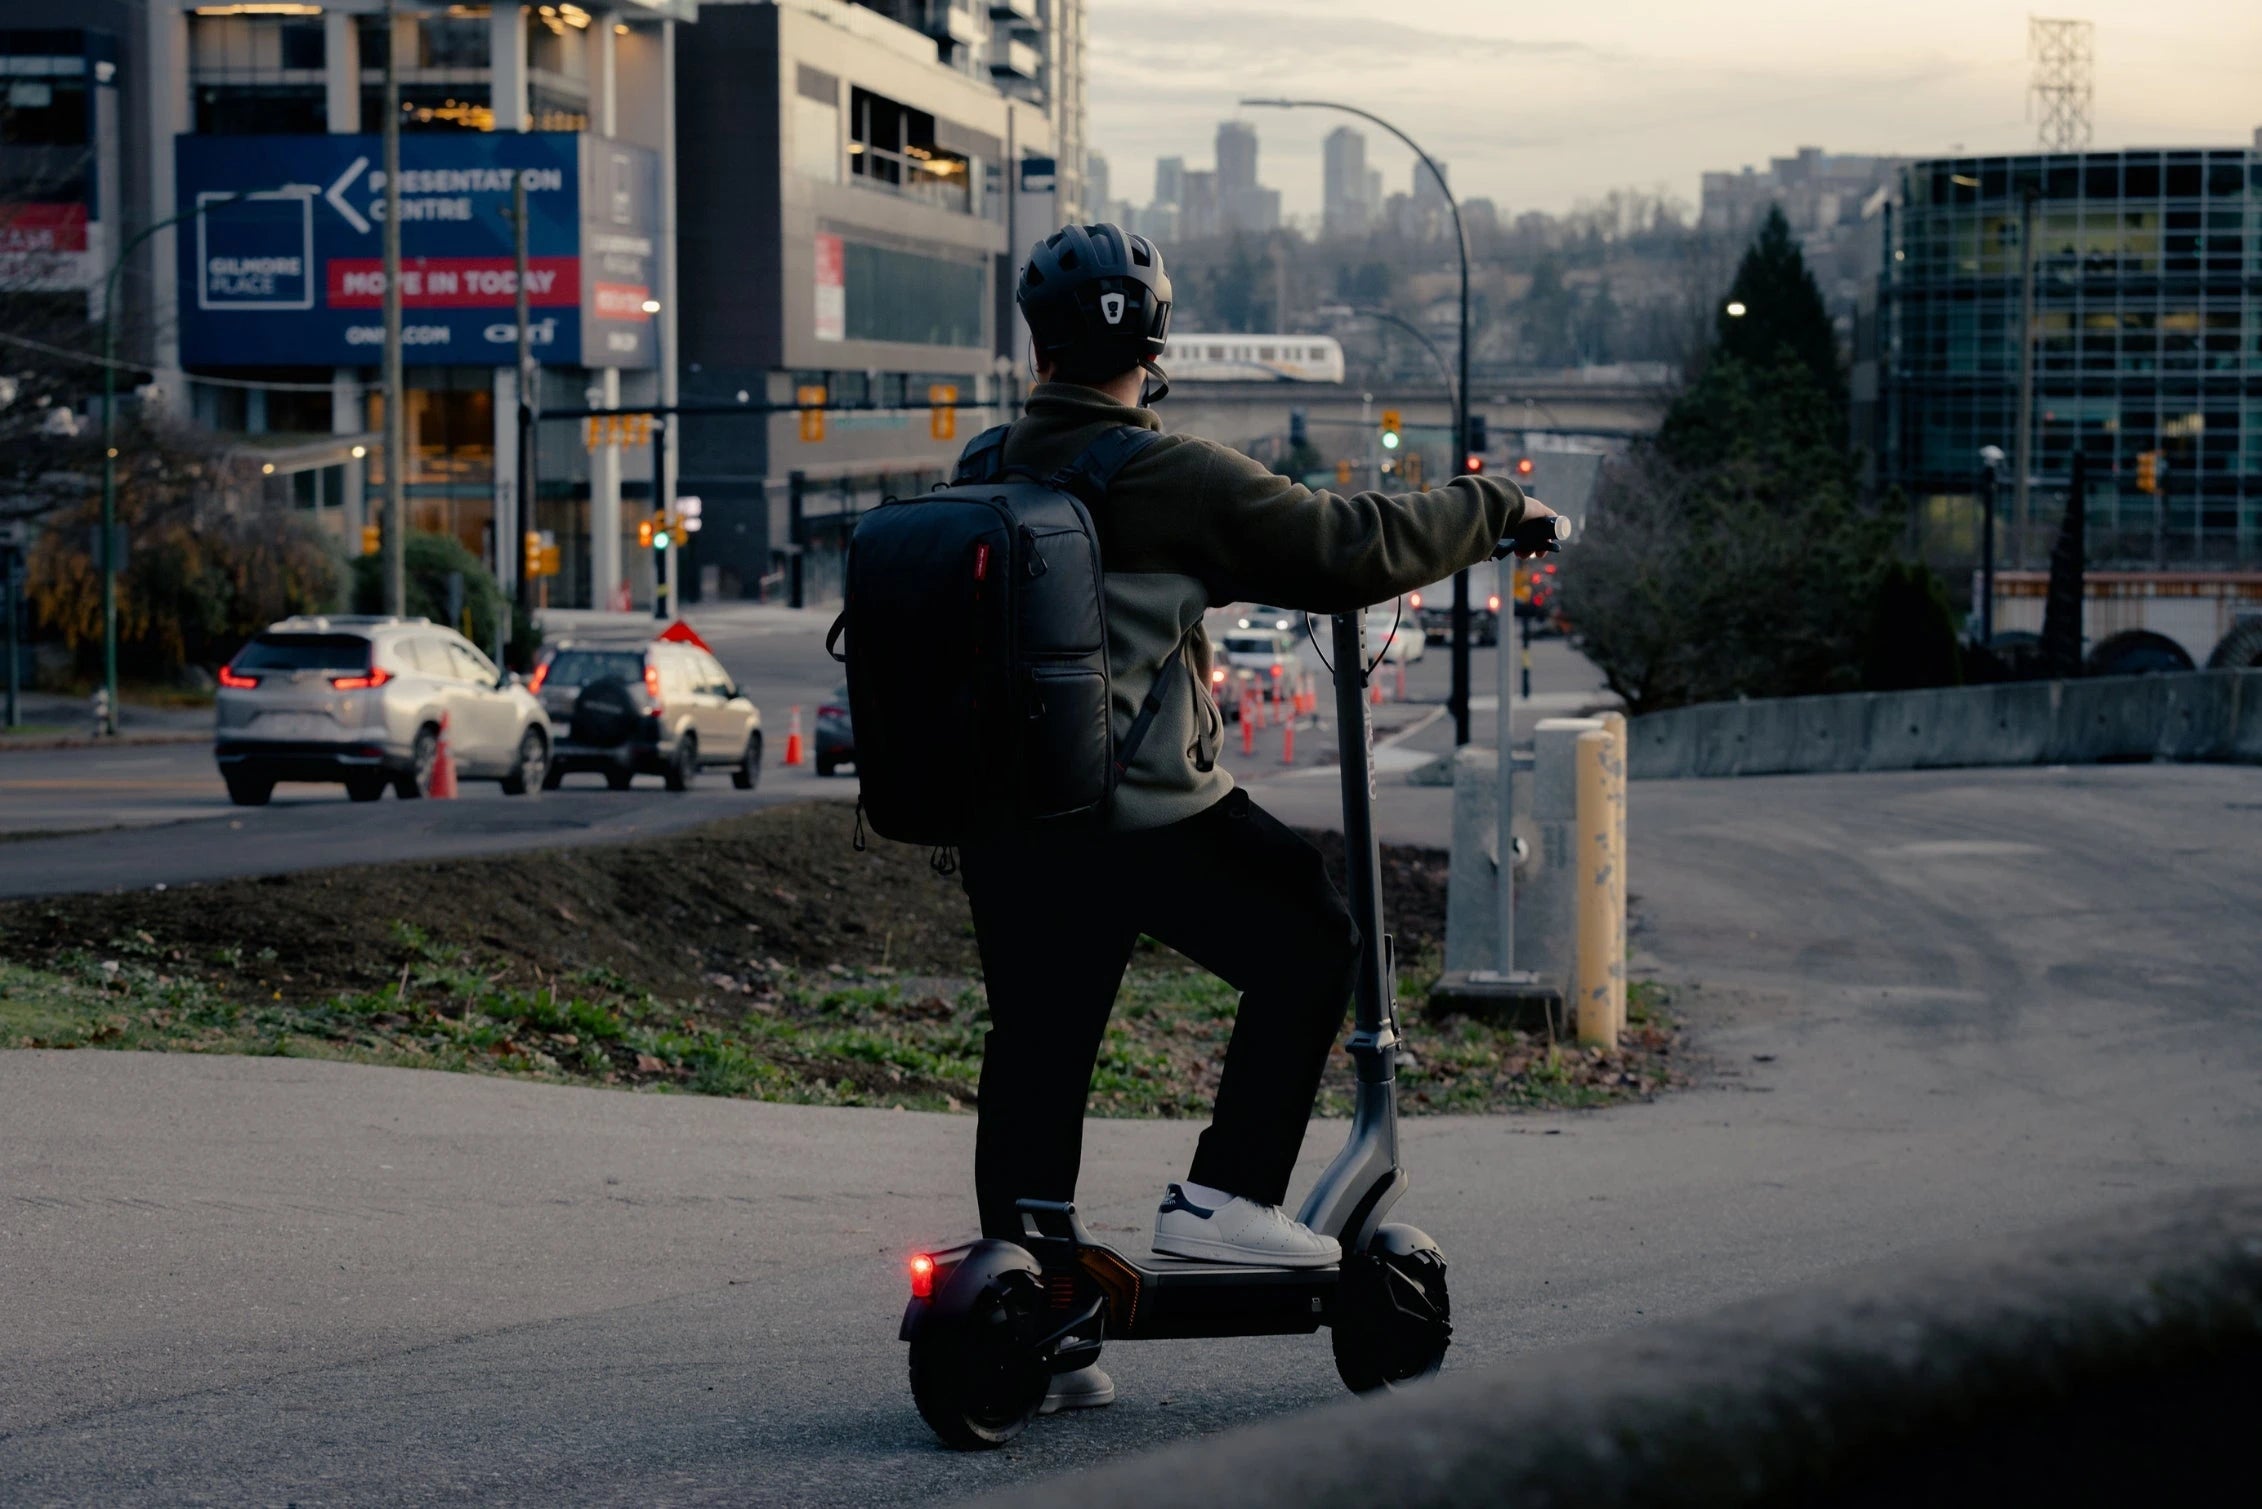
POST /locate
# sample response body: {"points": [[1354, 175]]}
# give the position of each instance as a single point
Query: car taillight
{"points": [[1218, 674], [829, 711], [1276, 670], [374, 676], [230, 676], [652, 680], [541, 674]]}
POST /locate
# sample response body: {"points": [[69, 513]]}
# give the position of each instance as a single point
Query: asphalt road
{"points": [[1933, 1005], [141, 815]]}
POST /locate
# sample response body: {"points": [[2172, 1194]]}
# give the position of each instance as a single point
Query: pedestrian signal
{"points": [[533, 553], [372, 539], [811, 397], [2147, 471], [942, 419]]}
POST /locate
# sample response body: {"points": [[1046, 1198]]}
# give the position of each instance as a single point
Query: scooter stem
{"points": [[1365, 1179]]}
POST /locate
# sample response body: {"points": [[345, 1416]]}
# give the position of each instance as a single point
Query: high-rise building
{"points": [[1431, 215], [1170, 180], [1345, 208], [1032, 50], [2147, 343], [1199, 213], [1236, 157]]}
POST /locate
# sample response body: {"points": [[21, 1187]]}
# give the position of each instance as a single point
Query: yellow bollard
{"points": [[1614, 724], [1599, 976]]}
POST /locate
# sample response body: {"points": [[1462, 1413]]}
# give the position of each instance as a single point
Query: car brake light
{"points": [[230, 676], [1218, 674], [541, 674], [922, 1277], [374, 676], [652, 680], [1276, 670], [830, 711]]}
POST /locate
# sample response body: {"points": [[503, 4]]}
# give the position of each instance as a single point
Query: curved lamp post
{"points": [[110, 452], [1444, 368], [1458, 700]]}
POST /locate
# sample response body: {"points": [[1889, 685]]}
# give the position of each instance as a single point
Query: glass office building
{"points": [[2147, 289]]}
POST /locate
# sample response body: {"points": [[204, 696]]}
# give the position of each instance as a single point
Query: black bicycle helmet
{"points": [[1097, 302]]}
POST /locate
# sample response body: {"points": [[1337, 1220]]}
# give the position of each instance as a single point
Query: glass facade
{"points": [[2147, 279]]}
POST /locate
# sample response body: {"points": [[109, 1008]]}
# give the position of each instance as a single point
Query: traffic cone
{"points": [[793, 737], [1401, 681], [443, 766], [1248, 733], [1287, 743], [1374, 693]]}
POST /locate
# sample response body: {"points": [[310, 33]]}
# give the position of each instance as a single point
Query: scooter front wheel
{"points": [[1392, 1317], [976, 1379]]}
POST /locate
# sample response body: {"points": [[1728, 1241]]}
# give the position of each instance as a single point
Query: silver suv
{"points": [[361, 700], [664, 707]]}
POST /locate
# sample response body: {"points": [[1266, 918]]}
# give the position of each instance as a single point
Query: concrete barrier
{"points": [[2115, 1361], [2190, 715]]}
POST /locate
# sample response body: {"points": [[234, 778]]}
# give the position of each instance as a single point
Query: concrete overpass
{"points": [[1249, 414]]}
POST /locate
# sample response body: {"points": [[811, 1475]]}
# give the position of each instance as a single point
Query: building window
{"points": [[815, 123], [893, 148], [434, 107], [258, 75], [903, 296], [552, 111], [261, 110], [43, 112]]}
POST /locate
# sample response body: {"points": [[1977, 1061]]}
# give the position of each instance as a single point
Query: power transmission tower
{"points": [[2064, 55]]}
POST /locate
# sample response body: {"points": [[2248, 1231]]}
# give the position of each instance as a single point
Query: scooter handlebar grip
{"points": [[1539, 535]]}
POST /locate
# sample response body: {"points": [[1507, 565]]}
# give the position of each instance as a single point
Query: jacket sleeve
{"points": [[1278, 541]]}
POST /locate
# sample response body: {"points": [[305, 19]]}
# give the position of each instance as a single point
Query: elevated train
{"points": [[1192, 358]]}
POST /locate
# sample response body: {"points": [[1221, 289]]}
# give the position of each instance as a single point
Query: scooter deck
{"points": [[1155, 1297]]}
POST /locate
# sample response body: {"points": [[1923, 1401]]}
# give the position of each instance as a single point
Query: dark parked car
{"points": [[836, 733], [664, 708]]}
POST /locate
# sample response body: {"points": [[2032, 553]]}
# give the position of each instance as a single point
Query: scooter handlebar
{"points": [[1543, 534]]}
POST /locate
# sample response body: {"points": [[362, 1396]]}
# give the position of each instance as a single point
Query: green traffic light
{"points": [[1390, 440], [659, 539]]}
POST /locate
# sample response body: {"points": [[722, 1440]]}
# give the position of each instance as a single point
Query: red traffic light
{"points": [[1473, 465], [1523, 466]]}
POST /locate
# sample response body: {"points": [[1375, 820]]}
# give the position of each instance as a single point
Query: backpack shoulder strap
{"points": [[1088, 475], [983, 460]]}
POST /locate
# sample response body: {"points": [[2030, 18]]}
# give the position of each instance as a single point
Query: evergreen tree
{"points": [[1783, 310]]}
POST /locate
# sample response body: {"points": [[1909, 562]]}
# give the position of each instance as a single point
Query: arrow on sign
{"points": [[337, 191]]}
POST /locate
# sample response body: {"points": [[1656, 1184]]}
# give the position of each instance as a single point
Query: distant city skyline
{"points": [[1541, 109]]}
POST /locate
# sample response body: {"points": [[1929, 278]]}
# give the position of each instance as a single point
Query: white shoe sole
{"points": [[1202, 1249]]}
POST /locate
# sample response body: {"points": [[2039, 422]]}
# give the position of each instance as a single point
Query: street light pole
{"points": [[109, 542], [1458, 698], [396, 394], [662, 607], [1416, 331]]}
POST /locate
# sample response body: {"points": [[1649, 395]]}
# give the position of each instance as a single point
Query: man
{"points": [[1187, 525]]}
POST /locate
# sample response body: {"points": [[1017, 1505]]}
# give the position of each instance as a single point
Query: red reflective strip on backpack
{"points": [[981, 562]]}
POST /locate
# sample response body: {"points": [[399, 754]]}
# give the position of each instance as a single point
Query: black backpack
{"points": [[977, 649]]}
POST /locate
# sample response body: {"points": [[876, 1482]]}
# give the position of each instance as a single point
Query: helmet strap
{"points": [[1154, 385]]}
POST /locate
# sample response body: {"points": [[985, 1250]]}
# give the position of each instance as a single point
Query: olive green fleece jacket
{"points": [[1190, 524]]}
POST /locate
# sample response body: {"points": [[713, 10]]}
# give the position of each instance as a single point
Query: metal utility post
{"points": [[2023, 448], [1458, 699], [522, 513], [660, 507], [10, 591], [107, 546], [1506, 826], [1989, 459], [396, 388]]}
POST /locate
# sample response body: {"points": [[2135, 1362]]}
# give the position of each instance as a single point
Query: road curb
{"points": [[99, 741], [2109, 1361]]}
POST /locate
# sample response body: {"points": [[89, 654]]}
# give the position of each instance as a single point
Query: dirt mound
{"points": [[784, 886]]}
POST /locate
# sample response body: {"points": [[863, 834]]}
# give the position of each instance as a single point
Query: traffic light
{"points": [[661, 537], [1480, 439], [942, 419], [1473, 464], [1390, 429], [644, 533], [1342, 474], [1523, 467], [2147, 471], [1299, 432], [372, 539], [533, 554]]}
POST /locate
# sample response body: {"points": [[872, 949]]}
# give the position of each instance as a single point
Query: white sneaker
{"points": [[1239, 1231]]}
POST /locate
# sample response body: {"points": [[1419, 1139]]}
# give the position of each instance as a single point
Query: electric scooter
{"points": [[990, 1322]]}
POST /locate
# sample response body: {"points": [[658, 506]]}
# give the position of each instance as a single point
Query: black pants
{"points": [[1057, 916]]}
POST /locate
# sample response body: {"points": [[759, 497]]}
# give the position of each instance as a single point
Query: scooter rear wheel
{"points": [[978, 1380], [1393, 1318]]}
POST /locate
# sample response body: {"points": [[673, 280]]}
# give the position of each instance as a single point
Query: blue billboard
{"points": [[290, 272]]}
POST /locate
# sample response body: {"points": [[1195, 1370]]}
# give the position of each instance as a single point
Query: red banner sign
{"points": [[455, 282], [36, 228], [620, 301]]}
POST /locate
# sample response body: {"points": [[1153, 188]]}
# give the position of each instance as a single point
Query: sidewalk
{"points": [[52, 720]]}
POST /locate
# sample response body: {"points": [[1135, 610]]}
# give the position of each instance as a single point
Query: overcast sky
{"points": [[1539, 106]]}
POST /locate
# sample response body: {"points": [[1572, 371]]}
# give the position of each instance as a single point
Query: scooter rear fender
{"points": [[962, 1276]]}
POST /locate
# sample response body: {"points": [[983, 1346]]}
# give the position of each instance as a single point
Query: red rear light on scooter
{"points": [[922, 1277]]}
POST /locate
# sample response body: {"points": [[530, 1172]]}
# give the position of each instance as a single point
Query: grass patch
{"points": [[760, 957]]}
